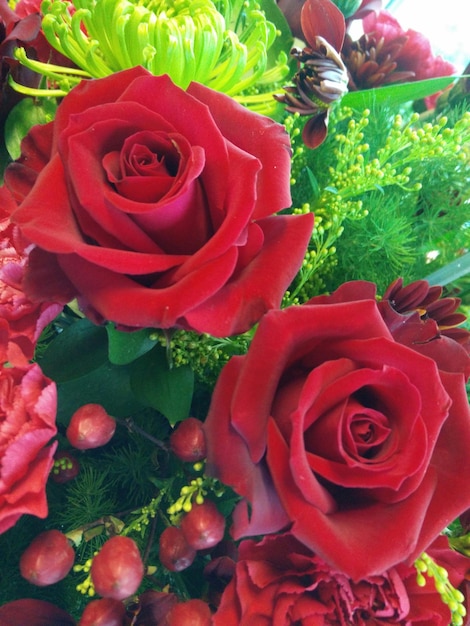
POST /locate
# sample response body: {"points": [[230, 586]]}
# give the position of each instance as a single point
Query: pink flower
{"points": [[415, 55], [27, 423], [21, 320]]}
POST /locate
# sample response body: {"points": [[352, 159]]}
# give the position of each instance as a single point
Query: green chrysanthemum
{"points": [[222, 44]]}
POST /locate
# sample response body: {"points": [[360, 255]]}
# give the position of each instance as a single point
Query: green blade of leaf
{"points": [[395, 95], [108, 385], [168, 390], [79, 349], [125, 347]]}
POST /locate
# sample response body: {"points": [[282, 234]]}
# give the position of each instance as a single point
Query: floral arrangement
{"points": [[234, 277]]}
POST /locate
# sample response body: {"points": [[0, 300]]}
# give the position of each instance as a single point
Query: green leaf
{"points": [[125, 347], [314, 184], [108, 385], [395, 95], [77, 350], [22, 117], [347, 7], [166, 389], [284, 41]]}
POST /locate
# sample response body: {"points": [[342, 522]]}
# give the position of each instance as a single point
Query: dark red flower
{"points": [[340, 427], [387, 54], [20, 27], [279, 581], [150, 608], [34, 613], [172, 222], [420, 297], [321, 78], [292, 9]]}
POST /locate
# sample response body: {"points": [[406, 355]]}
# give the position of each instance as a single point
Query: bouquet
{"points": [[234, 277]]}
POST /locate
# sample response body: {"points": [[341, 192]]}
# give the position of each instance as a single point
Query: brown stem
{"points": [[129, 423]]}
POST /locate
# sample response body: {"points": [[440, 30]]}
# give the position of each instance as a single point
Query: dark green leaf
{"points": [[125, 347], [168, 390], [77, 350], [108, 385], [395, 95]]}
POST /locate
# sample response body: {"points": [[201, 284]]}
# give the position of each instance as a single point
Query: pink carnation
{"points": [[27, 423], [21, 320]]}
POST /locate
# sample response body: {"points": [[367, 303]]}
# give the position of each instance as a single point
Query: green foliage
{"points": [[428, 570], [347, 7], [165, 388], [390, 197], [27, 113], [396, 95]]}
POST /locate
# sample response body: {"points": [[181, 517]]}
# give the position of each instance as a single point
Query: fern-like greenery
{"points": [[390, 196]]}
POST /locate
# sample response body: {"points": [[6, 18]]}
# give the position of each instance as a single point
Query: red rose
{"points": [[27, 423], [279, 581], [155, 206], [330, 425]]}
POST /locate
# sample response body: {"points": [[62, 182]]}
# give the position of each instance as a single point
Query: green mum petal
{"points": [[220, 44]]}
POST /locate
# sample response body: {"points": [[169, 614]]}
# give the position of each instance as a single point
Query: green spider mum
{"points": [[222, 44]]}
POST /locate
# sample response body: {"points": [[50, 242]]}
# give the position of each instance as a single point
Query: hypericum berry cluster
{"points": [[201, 528]]}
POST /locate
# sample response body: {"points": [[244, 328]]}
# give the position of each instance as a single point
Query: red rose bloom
{"points": [[279, 581], [27, 423], [154, 206], [331, 425]]}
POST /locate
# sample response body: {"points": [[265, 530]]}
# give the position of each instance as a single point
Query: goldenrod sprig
{"points": [[428, 568]]}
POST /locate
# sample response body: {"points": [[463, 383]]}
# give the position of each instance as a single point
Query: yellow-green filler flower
{"points": [[220, 44]]}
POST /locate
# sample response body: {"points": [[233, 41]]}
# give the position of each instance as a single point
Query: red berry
{"points": [[103, 612], [117, 570], [65, 468], [204, 526], [190, 613], [175, 552], [90, 427], [47, 559], [188, 441]]}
